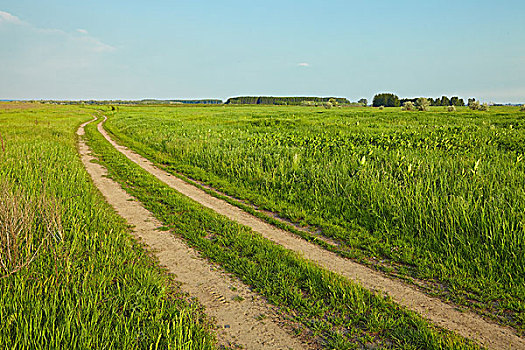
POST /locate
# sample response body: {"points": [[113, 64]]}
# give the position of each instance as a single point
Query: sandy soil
{"points": [[244, 318], [464, 323]]}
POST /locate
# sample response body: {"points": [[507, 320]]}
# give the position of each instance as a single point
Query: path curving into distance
{"points": [[464, 323], [234, 306]]}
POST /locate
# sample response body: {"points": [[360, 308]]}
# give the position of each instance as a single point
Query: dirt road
{"points": [[244, 318]]}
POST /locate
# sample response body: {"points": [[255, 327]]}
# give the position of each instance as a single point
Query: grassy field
{"points": [[433, 195], [71, 276], [336, 313]]}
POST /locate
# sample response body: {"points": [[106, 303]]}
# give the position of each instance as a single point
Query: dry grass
{"points": [[27, 226], [6, 106], [2, 144]]}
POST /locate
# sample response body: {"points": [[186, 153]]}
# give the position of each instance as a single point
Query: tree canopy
{"points": [[271, 100], [386, 99]]}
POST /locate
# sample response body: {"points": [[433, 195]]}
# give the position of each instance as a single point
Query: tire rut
{"points": [[464, 323], [231, 303]]}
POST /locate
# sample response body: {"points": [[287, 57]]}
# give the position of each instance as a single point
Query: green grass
{"points": [[341, 314], [433, 195], [90, 285]]}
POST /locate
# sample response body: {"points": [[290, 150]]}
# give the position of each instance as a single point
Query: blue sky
{"points": [[57, 49]]}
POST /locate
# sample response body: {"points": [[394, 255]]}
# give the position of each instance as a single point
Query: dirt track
{"points": [[447, 316], [244, 318]]}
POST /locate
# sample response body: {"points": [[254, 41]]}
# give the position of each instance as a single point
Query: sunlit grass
{"points": [[79, 281], [341, 313], [435, 195]]}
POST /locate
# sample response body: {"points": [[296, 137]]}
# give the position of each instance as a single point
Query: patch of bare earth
{"points": [[6, 106], [244, 319], [464, 323]]}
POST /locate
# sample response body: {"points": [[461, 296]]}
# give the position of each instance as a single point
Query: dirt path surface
{"points": [[464, 323], [244, 318]]}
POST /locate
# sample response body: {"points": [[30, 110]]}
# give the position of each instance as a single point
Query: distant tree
{"points": [[470, 101], [445, 101], [363, 101], [456, 101], [379, 100], [386, 99], [408, 106], [422, 104], [333, 102]]}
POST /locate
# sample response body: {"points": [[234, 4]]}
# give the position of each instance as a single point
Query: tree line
{"points": [[391, 100], [196, 102], [381, 99], [439, 101], [271, 100], [130, 102]]}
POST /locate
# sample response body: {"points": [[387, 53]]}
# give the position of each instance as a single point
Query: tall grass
{"points": [[342, 314], [71, 275], [28, 226], [437, 196]]}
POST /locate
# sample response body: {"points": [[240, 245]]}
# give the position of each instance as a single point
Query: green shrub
{"points": [[408, 106], [422, 104], [308, 103], [474, 105], [484, 107]]}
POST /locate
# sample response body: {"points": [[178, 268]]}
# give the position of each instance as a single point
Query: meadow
{"points": [[71, 275], [328, 310], [436, 198]]}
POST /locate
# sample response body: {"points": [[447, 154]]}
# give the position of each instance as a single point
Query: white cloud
{"points": [[303, 64], [84, 42], [6, 17]]}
